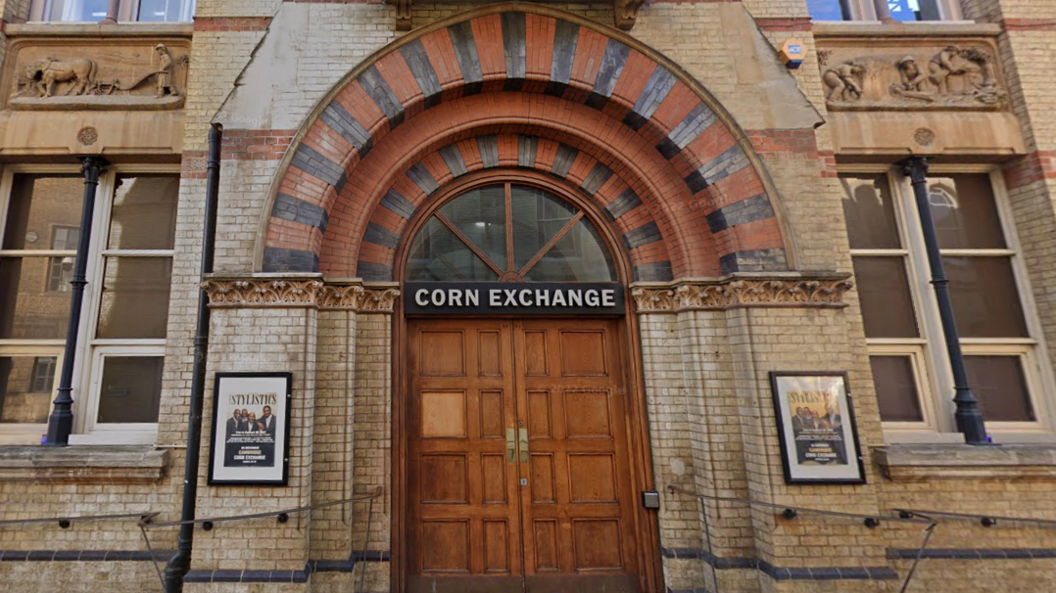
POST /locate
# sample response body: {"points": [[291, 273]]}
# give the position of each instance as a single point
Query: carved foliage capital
{"points": [[264, 292], [762, 292]]}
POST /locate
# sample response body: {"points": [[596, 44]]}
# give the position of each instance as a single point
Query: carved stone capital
{"points": [[298, 292], [262, 292], [735, 292]]}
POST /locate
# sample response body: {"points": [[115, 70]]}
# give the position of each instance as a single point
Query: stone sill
{"points": [[929, 29], [97, 30], [920, 462], [139, 464]]}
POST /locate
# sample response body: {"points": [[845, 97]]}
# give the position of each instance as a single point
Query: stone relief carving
{"points": [[955, 77], [844, 82], [98, 76], [262, 292], [761, 292]]}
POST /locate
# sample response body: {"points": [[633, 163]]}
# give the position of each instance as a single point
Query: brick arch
{"points": [[611, 194], [531, 71]]}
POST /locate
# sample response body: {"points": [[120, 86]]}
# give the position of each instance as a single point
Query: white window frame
{"points": [[935, 385], [90, 350]]}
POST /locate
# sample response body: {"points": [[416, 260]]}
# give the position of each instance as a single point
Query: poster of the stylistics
{"points": [[250, 428], [816, 425]]}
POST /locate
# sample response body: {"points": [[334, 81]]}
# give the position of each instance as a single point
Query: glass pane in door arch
{"points": [[512, 233]]}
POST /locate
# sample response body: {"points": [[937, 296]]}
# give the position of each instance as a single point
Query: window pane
{"points": [[135, 299], [25, 389], [537, 217], [165, 11], [131, 389], [89, 11], [579, 256], [914, 10], [999, 384], [827, 10], [438, 255], [985, 298], [870, 212], [144, 214], [481, 216], [28, 310], [896, 388], [41, 209], [887, 307], [965, 212]]}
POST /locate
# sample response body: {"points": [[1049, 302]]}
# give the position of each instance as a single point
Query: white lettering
{"points": [[542, 298], [455, 298], [494, 297], [511, 298], [575, 298], [526, 297], [421, 297], [559, 298], [608, 298], [439, 297], [472, 298], [592, 298]]}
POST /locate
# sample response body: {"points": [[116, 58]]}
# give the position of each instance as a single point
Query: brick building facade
{"points": [[756, 218]]}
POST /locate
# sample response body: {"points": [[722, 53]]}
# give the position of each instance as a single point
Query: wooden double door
{"points": [[519, 474]]}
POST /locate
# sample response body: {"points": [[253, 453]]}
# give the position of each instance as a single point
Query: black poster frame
{"points": [[284, 459]]}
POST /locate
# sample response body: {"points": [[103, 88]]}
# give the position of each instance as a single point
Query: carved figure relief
{"points": [[98, 76], [844, 82], [955, 77]]}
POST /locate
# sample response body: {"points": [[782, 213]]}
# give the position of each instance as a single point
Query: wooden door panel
{"points": [[445, 546], [579, 503], [443, 414], [592, 478], [587, 413], [445, 478], [463, 515], [583, 353], [473, 527], [494, 483], [442, 353]]}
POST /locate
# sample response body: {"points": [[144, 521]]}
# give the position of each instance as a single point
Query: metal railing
{"points": [[145, 522]]}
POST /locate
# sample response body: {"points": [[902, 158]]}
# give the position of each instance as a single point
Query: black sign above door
{"points": [[508, 298]]}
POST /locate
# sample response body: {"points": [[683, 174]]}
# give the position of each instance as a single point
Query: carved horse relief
{"points": [[43, 74], [106, 77]]}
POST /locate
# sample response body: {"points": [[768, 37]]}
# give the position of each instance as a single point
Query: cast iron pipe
{"points": [[180, 563], [60, 422], [968, 415]]}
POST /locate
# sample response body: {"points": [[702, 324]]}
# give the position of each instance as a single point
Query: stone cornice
{"points": [[730, 292], [299, 291]]}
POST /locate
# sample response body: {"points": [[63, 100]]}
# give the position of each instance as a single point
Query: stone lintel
{"points": [[920, 29], [83, 464], [920, 462], [98, 30]]}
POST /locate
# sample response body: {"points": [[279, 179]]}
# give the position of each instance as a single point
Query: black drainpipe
{"points": [[180, 563], [60, 423]]}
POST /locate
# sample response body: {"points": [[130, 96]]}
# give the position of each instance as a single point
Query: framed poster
{"points": [[251, 429], [815, 424]]}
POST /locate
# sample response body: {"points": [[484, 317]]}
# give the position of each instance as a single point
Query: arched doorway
{"points": [[521, 431]]}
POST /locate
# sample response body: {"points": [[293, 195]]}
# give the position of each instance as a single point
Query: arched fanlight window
{"points": [[509, 233]]}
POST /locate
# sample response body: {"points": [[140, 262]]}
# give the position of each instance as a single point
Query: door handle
{"points": [[511, 446], [523, 434]]}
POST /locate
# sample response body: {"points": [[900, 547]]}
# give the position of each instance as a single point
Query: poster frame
{"points": [[214, 453], [796, 473]]}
